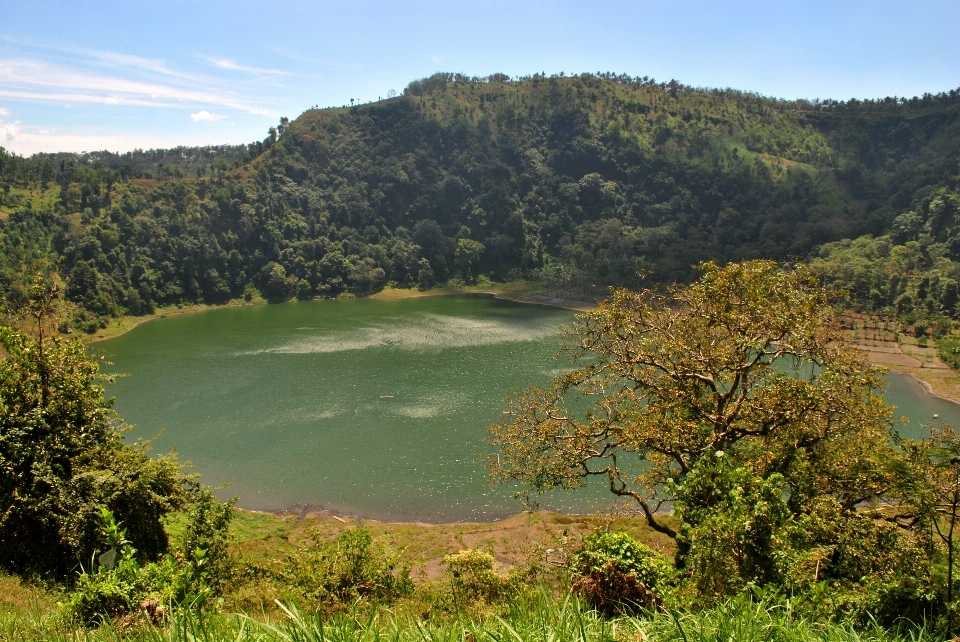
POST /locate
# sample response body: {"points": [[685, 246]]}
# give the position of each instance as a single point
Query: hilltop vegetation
{"points": [[580, 181]]}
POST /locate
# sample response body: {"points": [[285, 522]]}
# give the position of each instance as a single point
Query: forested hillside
{"points": [[579, 181]]}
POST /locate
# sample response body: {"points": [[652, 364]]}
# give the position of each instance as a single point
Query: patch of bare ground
{"points": [[884, 345], [893, 359], [512, 541]]}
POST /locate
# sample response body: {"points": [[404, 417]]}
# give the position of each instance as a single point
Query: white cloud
{"points": [[224, 63], [435, 59], [4, 111], [205, 115], [125, 60], [9, 131], [38, 80]]}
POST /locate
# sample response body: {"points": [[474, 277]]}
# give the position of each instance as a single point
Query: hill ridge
{"points": [[578, 180]]}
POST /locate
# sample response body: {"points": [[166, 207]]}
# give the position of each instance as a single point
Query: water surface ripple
{"points": [[370, 407]]}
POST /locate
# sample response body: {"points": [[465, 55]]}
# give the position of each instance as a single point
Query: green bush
{"points": [[205, 540], [617, 574], [62, 456], [118, 585], [729, 522], [473, 579], [739, 534], [329, 576], [948, 349]]}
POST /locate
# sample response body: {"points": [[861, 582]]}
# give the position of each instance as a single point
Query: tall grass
{"points": [[539, 618]]}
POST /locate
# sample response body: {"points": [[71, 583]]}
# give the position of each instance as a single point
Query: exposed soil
{"points": [[877, 339], [512, 541]]}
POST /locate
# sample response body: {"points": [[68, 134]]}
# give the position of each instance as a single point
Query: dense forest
{"points": [[579, 181]]}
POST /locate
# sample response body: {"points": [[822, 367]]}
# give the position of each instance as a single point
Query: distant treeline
{"points": [[64, 168], [583, 181]]}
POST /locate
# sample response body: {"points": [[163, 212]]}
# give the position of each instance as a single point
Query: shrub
{"points": [[738, 533], [117, 585], [473, 578], [329, 576], [205, 541], [617, 574], [730, 519], [63, 456], [948, 349]]}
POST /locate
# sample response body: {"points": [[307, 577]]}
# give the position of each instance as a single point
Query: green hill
{"points": [[581, 181]]}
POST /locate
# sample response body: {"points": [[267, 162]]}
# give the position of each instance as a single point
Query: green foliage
{"points": [[706, 396], [932, 508], [948, 349], [204, 543], [536, 616], [118, 585], [665, 379], [473, 579], [731, 520], [62, 460], [739, 532], [616, 574], [582, 180], [328, 576]]}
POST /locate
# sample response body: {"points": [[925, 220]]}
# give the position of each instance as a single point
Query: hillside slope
{"points": [[581, 180]]}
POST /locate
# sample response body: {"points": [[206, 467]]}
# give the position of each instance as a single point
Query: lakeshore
{"points": [[904, 357], [518, 291], [261, 536]]}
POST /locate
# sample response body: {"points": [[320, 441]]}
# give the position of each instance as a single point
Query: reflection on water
{"points": [[371, 407], [377, 408], [423, 332]]}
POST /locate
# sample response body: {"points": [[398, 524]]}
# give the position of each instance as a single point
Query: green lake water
{"points": [[370, 407]]}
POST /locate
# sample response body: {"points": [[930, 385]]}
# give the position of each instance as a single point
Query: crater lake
{"points": [[376, 408]]}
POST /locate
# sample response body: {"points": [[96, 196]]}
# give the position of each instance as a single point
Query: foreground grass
{"points": [[538, 618]]}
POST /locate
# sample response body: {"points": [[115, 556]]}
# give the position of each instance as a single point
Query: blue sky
{"points": [[81, 75]]}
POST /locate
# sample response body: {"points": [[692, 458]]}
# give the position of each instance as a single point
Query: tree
{"points": [[745, 366], [426, 278], [276, 284], [62, 459], [467, 256], [933, 497]]}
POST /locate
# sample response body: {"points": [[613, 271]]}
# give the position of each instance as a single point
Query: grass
{"points": [[261, 537], [33, 197], [539, 617]]}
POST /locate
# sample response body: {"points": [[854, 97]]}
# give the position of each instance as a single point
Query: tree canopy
{"points": [[62, 461], [735, 402], [746, 362]]}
